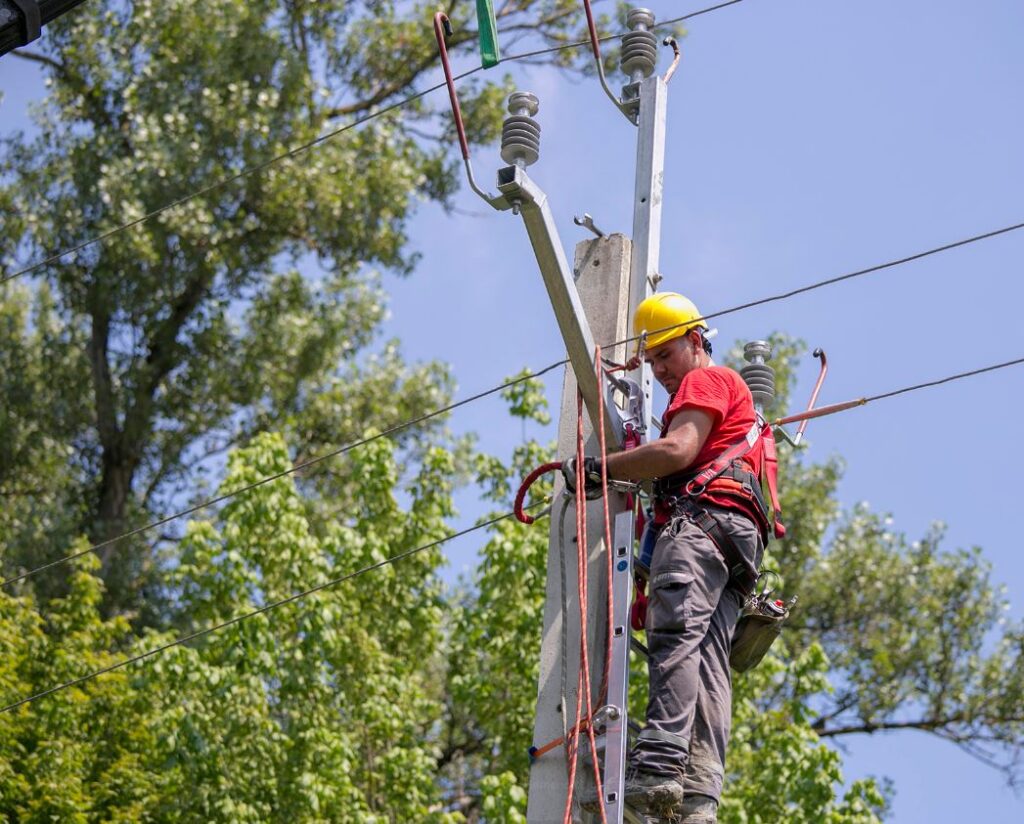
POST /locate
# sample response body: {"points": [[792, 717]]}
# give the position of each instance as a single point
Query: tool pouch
{"points": [[760, 623]]}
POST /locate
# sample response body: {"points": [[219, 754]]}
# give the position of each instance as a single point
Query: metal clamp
{"points": [[32, 17]]}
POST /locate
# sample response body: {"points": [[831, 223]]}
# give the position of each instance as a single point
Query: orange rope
{"points": [[584, 686]]}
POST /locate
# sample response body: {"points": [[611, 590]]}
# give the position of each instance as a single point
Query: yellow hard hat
{"points": [[664, 316]]}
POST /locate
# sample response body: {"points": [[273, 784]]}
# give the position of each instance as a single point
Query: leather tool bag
{"points": [[759, 624]]}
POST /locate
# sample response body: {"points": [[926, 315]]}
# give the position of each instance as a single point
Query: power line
{"points": [[304, 147], [832, 280], [258, 611], [402, 555], [940, 381], [296, 468], [427, 416]]}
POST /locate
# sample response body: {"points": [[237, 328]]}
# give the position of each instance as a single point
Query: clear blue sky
{"points": [[806, 138]]}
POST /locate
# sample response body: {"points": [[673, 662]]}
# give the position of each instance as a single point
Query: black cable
{"points": [[291, 153], [258, 611], [398, 427], [402, 555], [218, 184], [948, 379], [577, 44], [332, 454], [830, 281]]}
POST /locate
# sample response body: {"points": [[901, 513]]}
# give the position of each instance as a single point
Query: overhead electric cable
{"points": [[427, 416], [402, 555], [949, 379], [297, 467], [304, 147], [177, 642], [833, 280]]}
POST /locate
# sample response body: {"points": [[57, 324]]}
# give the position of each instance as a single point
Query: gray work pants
{"points": [[690, 619]]}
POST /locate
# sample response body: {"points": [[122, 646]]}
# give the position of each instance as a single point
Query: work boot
{"points": [[652, 794], [698, 809]]}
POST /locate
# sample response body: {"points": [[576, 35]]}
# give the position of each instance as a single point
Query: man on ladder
{"points": [[714, 523]]}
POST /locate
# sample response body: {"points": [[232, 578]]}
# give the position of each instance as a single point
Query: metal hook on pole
{"points": [[595, 45], [810, 412], [671, 41], [443, 28], [819, 353]]}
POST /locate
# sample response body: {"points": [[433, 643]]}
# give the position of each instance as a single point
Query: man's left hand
{"points": [[592, 486]]}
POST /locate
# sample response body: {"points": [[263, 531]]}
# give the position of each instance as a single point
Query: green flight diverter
{"points": [[490, 54]]}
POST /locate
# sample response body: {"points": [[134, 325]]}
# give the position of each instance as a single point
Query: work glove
{"points": [[591, 476]]}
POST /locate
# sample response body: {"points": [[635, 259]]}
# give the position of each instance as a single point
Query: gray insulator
{"points": [[640, 18], [759, 376], [523, 103], [639, 53], [520, 134], [520, 140]]}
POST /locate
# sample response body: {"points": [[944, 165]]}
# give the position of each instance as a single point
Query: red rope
{"points": [[583, 680], [583, 683], [528, 481]]}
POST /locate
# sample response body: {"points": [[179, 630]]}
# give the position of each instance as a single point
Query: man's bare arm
{"points": [[673, 452]]}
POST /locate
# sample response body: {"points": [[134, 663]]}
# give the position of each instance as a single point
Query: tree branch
{"points": [[924, 724], [35, 57], [457, 39], [389, 89]]}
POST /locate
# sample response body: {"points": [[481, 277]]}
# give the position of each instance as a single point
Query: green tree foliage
{"points": [[185, 335], [320, 710], [387, 695], [130, 369], [914, 633]]}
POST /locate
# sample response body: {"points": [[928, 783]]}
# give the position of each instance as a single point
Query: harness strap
{"points": [[741, 572], [694, 484], [770, 468], [652, 734], [699, 482]]}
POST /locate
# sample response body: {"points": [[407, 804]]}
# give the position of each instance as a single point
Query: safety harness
{"points": [[728, 476]]}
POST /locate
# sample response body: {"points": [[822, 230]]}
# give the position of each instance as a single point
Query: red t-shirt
{"points": [[720, 392]]}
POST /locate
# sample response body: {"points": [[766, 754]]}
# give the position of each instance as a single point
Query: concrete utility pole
{"points": [[610, 288], [603, 265], [593, 303]]}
